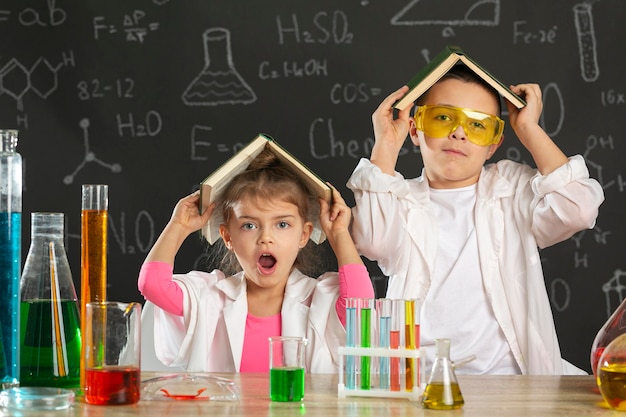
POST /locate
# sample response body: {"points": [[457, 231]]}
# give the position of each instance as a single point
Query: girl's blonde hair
{"points": [[267, 178]]}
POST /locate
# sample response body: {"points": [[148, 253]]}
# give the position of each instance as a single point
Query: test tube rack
{"points": [[419, 382]]}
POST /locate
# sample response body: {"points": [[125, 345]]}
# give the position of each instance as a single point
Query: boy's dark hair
{"points": [[268, 178], [463, 73]]}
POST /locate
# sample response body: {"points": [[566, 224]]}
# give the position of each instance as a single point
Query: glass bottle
{"points": [[50, 338], [442, 390], [611, 373], [10, 256], [614, 327], [93, 259]]}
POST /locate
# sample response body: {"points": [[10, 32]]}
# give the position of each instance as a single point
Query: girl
{"points": [[221, 321]]}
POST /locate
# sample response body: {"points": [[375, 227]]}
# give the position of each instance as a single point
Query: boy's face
{"points": [[454, 161]]}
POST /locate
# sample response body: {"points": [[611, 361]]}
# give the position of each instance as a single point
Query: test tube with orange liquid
{"points": [[94, 217]]}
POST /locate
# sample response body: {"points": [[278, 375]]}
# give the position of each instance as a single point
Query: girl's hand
{"points": [[187, 213], [336, 218], [335, 222]]}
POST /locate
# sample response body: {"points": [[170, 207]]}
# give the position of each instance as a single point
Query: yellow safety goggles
{"points": [[439, 121]]}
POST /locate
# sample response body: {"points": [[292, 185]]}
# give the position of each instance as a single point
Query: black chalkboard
{"points": [[150, 96]]}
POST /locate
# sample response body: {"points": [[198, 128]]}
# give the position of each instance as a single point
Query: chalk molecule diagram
{"points": [[41, 78], [89, 156]]}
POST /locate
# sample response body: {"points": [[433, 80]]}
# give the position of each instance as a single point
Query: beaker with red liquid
{"points": [[112, 353]]}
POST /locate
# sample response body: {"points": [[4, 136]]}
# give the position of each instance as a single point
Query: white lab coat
{"points": [[209, 337], [517, 210]]}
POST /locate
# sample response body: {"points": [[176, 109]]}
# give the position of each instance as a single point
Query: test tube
{"points": [[416, 319], [395, 341], [383, 309], [409, 320], [352, 328], [367, 305]]}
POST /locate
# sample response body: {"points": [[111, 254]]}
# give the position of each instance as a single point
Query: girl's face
{"points": [[266, 236], [455, 162]]}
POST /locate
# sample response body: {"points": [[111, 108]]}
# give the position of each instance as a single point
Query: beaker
{"points": [[442, 390], [50, 338], [287, 368], [112, 353]]}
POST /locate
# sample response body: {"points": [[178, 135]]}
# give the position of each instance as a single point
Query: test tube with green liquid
{"points": [[367, 305]]}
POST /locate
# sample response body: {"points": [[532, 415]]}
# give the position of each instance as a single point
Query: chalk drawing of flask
{"points": [[218, 82]]}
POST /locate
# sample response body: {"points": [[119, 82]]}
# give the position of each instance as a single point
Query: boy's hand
{"points": [[528, 116], [525, 123], [387, 130], [389, 133]]}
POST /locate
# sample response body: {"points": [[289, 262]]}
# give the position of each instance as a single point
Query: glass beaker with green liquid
{"points": [[50, 338]]}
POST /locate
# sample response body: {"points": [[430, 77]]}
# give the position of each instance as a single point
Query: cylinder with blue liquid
{"points": [[10, 256]]}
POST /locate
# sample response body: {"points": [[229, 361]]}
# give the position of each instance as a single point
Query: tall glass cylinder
{"points": [[50, 338], [10, 257], [94, 217]]}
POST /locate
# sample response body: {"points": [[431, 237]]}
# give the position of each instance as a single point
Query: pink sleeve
{"points": [[354, 282], [156, 285]]}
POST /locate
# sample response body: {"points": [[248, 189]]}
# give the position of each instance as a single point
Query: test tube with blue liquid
{"points": [[367, 305], [352, 330], [383, 309]]}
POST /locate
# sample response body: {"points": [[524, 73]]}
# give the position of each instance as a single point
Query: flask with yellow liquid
{"points": [[611, 373], [442, 390]]}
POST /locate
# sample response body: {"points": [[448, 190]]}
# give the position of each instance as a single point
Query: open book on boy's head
{"points": [[214, 185], [440, 65]]}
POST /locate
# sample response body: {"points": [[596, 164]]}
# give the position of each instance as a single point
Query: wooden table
{"points": [[484, 396]]}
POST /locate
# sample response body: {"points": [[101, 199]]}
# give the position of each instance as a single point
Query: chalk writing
{"points": [[152, 125], [352, 93], [132, 26], [329, 27], [310, 68], [122, 88], [612, 97], [55, 16], [537, 36]]}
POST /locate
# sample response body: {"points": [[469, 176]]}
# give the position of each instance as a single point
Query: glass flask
{"points": [[10, 257], [614, 327], [611, 373], [93, 252], [50, 338], [442, 390]]}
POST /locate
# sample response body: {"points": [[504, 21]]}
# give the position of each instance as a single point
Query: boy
{"points": [[464, 236]]}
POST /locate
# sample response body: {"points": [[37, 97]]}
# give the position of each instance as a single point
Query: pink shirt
{"points": [[156, 285]]}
